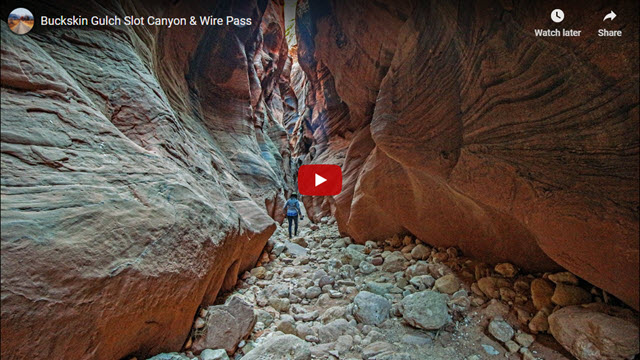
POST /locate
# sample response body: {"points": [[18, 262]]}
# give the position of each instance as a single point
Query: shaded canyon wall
{"points": [[143, 168], [452, 122]]}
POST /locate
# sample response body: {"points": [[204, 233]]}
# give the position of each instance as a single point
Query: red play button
{"points": [[319, 180]]}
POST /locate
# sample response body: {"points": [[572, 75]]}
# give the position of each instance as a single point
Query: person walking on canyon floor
{"points": [[292, 209]]}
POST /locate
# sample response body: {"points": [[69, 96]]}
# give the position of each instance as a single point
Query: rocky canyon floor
{"points": [[319, 296]]}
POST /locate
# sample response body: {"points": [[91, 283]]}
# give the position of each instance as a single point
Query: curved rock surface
{"points": [[596, 331], [456, 124], [142, 170]]}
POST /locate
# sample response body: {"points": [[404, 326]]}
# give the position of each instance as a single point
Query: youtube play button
{"points": [[319, 180]]}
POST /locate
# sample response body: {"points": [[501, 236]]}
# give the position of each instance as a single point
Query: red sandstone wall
{"points": [[141, 167], [454, 123]]}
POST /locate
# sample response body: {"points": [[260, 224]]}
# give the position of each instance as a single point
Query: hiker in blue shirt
{"points": [[292, 209]]}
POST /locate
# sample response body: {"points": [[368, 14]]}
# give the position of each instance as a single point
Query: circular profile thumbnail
{"points": [[20, 21]]}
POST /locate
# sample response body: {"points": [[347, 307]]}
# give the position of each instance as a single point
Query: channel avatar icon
{"points": [[20, 21], [320, 180]]}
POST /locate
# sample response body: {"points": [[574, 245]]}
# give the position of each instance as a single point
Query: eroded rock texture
{"points": [[452, 122], [142, 169]]}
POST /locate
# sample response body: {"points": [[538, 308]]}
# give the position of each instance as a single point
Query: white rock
{"points": [[500, 329], [218, 354], [366, 267]]}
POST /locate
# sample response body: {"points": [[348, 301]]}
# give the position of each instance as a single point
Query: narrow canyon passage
{"points": [[490, 183]]}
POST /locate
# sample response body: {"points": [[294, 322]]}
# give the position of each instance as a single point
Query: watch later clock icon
{"points": [[557, 15]]}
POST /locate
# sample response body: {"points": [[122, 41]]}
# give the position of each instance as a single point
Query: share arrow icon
{"points": [[609, 16]]}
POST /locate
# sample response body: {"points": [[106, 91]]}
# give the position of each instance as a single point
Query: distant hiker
{"points": [[292, 209]]}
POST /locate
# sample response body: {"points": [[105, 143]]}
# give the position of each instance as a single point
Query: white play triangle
{"points": [[319, 179]]}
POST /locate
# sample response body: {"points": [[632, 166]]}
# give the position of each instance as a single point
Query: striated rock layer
{"points": [[142, 170], [454, 123]]}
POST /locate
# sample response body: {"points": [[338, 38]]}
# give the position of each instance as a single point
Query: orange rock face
{"points": [[142, 170], [457, 125], [595, 331]]}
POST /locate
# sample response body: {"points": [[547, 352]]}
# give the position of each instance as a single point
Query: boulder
{"points": [[291, 272], [264, 317], [541, 293], [512, 346], [425, 309], [294, 249], [304, 329], [344, 343], [447, 284], [564, 277], [595, 332], [312, 292], [506, 270], [258, 272], [326, 280], [306, 315], [422, 282], [420, 252], [395, 241], [416, 340], [489, 286], [286, 324], [540, 322], [370, 246], [370, 309], [378, 350], [278, 248], [565, 295], [226, 326], [500, 329], [332, 313], [331, 331], [379, 288], [353, 255], [300, 241], [524, 339], [417, 269], [281, 305], [280, 347], [170, 356], [366, 267], [217, 354], [394, 262]]}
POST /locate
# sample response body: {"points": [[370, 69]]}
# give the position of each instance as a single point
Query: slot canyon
{"points": [[489, 205]]}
